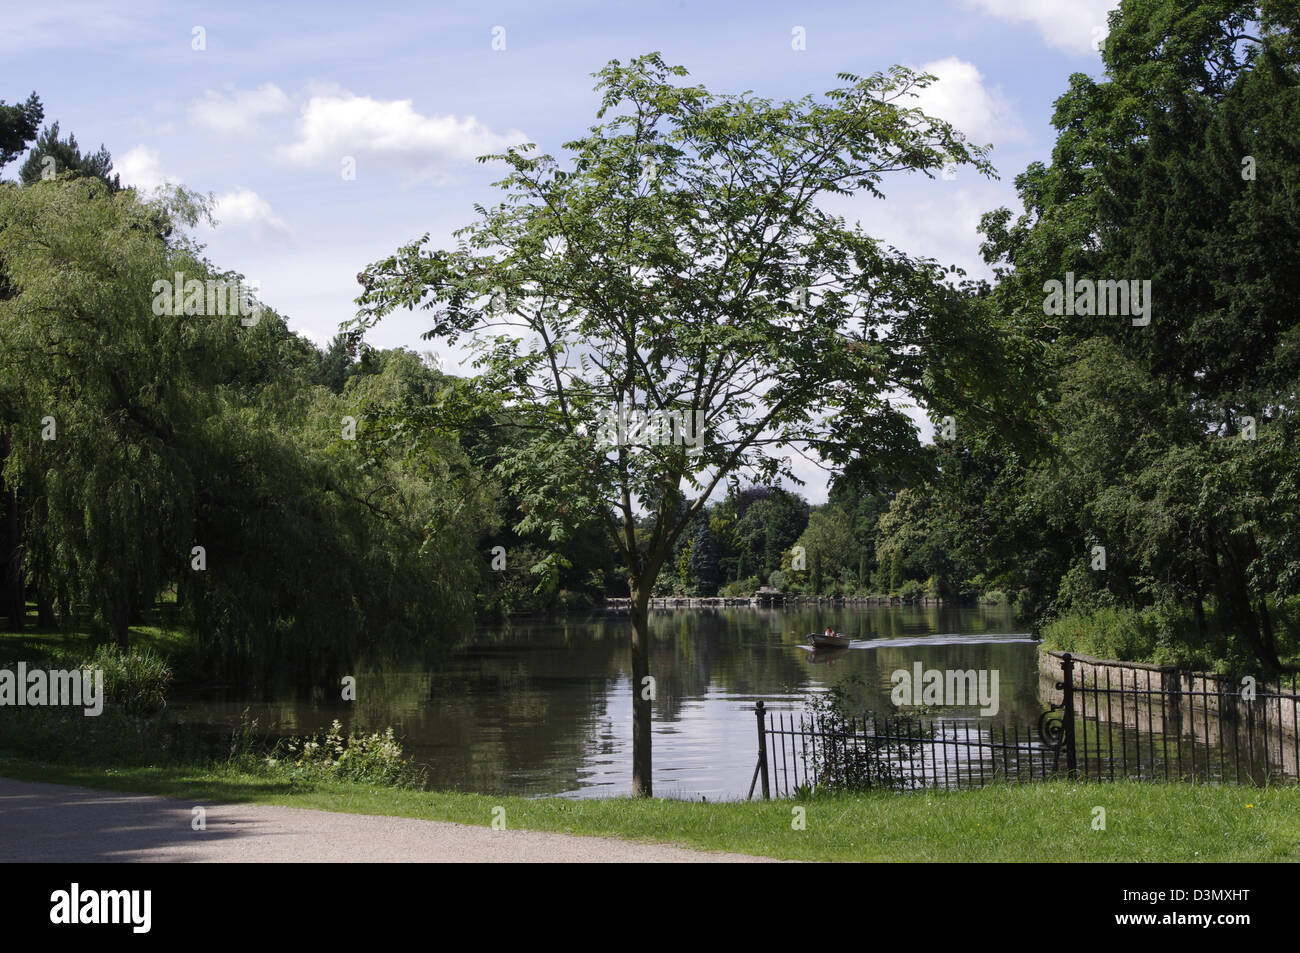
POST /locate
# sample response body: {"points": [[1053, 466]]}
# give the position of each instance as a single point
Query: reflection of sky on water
{"points": [[710, 748], [544, 706], [702, 753]]}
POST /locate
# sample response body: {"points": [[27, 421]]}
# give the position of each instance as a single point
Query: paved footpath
{"points": [[55, 822]]}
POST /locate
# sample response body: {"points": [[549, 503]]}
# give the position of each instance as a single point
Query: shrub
{"points": [[1127, 635], [136, 680], [741, 587], [1167, 634], [845, 758], [375, 758]]}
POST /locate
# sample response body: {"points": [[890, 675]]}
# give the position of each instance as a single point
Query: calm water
{"points": [[544, 707]]}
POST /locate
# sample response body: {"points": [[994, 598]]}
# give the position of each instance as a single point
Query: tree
{"points": [[52, 156], [680, 267], [1178, 167], [704, 560], [321, 549], [18, 124], [768, 528], [97, 392], [335, 365], [139, 434], [829, 546]]}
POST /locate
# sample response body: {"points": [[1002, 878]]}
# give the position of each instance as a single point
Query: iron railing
{"points": [[1104, 722]]}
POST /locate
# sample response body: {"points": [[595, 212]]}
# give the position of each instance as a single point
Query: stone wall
{"points": [[1203, 708]]}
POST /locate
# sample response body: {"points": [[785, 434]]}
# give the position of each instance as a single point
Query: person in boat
{"points": [[830, 633]]}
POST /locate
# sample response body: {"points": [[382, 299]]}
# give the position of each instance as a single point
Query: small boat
{"points": [[829, 641]]}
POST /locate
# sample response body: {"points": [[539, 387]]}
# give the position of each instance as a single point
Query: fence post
{"points": [[762, 749], [1067, 668]]}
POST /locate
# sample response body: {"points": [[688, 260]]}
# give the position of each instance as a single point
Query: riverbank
{"points": [[1048, 821], [1173, 638], [775, 600]]}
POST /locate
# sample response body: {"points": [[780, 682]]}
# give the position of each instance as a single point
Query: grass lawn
{"points": [[165, 642], [1046, 821], [171, 643]]}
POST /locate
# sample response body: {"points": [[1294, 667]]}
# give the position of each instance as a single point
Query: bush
{"points": [[1166, 634], [911, 590], [375, 758], [739, 588], [136, 680], [1110, 632], [844, 758]]}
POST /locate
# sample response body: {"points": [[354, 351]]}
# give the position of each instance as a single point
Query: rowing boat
{"points": [[829, 641]]}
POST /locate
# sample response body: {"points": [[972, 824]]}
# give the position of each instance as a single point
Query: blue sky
{"points": [[264, 115]]}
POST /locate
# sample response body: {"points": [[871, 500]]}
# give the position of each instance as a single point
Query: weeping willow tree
{"points": [[152, 449], [98, 394], [323, 549]]}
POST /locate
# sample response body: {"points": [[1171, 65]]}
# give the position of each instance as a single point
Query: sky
{"points": [[269, 107]]}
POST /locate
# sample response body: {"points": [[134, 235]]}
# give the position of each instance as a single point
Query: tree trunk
{"points": [[14, 598], [1235, 605], [642, 784], [1268, 647], [1198, 606], [45, 618], [1269, 655], [122, 621]]}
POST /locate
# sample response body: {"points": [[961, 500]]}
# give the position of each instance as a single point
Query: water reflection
{"points": [[544, 706]]}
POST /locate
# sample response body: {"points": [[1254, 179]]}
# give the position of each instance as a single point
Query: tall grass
{"points": [[136, 680], [1168, 636], [1129, 635]]}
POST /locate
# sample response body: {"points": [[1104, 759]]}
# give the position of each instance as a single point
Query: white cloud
{"points": [[1070, 25], [932, 218], [336, 125], [237, 110], [960, 97], [142, 168], [246, 207]]}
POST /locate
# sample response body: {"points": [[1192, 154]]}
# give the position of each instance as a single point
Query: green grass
{"points": [[1169, 638], [1048, 821], [15, 645]]}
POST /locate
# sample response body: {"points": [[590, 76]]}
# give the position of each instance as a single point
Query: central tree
{"points": [[683, 267]]}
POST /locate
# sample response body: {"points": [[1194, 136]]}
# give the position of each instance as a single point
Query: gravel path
{"points": [[60, 823]]}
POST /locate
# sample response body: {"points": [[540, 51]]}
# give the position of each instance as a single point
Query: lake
{"points": [[543, 706]]}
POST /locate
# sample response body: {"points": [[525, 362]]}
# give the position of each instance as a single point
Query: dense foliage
{"points": [[1130, 478], [197, 460]]}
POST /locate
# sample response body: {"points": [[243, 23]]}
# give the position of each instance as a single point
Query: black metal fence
{"points": [[1104, 721]]}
